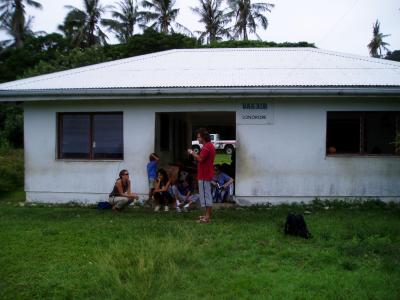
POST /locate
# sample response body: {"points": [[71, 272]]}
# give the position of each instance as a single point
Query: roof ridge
{"points": [[358, 57]]}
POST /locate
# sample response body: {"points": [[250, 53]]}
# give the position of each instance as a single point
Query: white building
{"points": [[309, 123]]}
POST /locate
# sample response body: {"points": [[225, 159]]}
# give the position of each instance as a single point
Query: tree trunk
{"points": [[18, 24]]}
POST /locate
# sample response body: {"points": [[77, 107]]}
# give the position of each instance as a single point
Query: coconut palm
{"points": [[377, 44], [83, 26], [247, 16], [7, 26], [214, 19], [162, 16], [124, 20], [13, 19]]}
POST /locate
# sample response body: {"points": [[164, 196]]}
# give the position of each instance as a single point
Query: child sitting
{"points": [[162, 194], [222, 185], [184, 195]]}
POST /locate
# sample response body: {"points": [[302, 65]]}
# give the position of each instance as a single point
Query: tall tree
{"points": [[13, 19], [214, 19], [247, 16], [124, 20], [83, 26], [162, 15], [377, 44]]}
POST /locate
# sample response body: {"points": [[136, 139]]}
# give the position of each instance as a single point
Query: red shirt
{"points": [[205, 168]]}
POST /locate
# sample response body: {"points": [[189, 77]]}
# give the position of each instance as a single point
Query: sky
{"points": [[340, 25]]}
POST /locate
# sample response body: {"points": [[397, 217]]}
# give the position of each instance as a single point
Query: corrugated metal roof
{"points": [[224, 68]]}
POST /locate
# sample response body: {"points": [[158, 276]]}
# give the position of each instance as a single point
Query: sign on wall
{"points": [[255, 113]]}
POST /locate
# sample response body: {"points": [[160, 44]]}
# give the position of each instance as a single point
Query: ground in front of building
{"points": [[80, 252]]}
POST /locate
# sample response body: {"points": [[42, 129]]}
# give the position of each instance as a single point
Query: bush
{"points": [[11, 169]]}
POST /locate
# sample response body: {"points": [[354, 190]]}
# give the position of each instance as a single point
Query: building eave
{"points": [[194, 93]]}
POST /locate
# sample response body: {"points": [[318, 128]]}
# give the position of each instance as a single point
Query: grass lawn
{"points": [[80, 253], [222, 158]]}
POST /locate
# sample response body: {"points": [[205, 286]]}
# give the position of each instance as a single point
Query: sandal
{"points": [[203, 220]]}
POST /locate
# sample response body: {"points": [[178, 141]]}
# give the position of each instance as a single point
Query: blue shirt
{"points": [[152, 169], [221, 179], [183, 190]]}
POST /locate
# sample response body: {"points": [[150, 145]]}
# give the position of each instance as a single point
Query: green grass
{"points": [[222, 158], [81, 253]]}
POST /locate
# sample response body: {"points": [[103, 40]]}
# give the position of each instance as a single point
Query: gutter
{"points": [[194, 93]]}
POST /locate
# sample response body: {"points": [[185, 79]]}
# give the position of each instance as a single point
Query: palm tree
{"points": [[83, 26], [247, 16], [162, 14], [12, 18], [124, 20], [214, 20], [377, 44], [7, 26]]}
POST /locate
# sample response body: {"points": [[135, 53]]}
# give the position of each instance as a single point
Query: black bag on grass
{"points": [[295, 225], [104, 205]]}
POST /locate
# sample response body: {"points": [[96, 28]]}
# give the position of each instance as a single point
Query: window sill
{"points": [[88, 160], [364, 155]]}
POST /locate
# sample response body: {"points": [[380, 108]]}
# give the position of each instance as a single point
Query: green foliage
{"points": [[148, 42], [377, 44], [257, 44], [79, 253], [11, 126], [14, 62], [394, 55], [11, 170]]}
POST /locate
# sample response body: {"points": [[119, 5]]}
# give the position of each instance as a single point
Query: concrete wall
{"points": [[278, 162], [48, 179], [286, 161]]}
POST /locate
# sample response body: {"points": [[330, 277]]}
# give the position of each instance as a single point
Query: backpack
{"points": [[104, 205], [295, 225]]}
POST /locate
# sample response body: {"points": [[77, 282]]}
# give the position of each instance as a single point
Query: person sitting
{"points": [[222, 185], [121, 195], [184, 195], [162, 193]]}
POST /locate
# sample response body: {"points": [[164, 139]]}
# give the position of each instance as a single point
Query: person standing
{"points": [[205, 172]]}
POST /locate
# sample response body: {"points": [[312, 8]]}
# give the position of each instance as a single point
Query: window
{"points": [[90, 136], [362, 133]]}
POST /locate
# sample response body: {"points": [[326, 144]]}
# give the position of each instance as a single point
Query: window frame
{"points": [[90, 136], [362, 137]]}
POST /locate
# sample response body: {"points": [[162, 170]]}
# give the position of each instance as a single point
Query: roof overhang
{"points": [[195, 93]]}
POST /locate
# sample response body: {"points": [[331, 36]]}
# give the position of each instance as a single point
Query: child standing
{"points": [[152, 172]]}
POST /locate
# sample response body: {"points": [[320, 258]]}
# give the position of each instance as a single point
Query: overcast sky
{"points": [[340, 25]]}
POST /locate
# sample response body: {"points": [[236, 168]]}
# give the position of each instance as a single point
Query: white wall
{"points": [[284, 161], [48, 179]]}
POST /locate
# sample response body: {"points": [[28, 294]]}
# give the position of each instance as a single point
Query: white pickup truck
{"points": [[226, 145]]}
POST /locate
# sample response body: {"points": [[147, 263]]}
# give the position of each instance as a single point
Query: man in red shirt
{"points": [[205, 172]]}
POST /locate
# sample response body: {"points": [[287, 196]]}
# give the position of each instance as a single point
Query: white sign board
{"points": [[254, 113]]}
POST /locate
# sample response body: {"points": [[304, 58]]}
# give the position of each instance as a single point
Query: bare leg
{"points": [[208, 213]]}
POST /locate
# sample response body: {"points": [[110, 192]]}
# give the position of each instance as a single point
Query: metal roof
{"points": [[220, 68]]}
